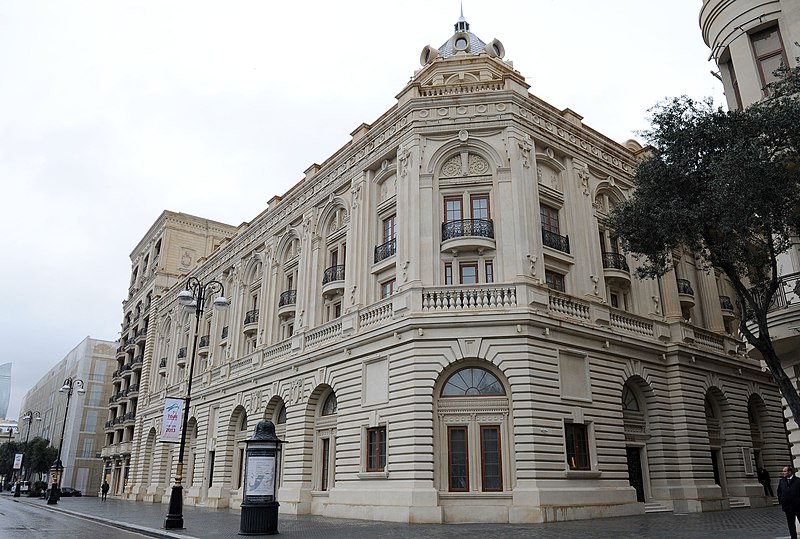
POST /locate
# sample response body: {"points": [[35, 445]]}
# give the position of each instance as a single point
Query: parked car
{"points": [[69, 491], [24, 487]]}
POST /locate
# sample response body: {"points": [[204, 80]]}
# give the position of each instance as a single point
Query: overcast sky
{"points": [[111, 112]]}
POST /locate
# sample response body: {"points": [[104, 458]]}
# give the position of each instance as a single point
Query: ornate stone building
{"points": [[175, 244], [443, 330], [748, 41]]}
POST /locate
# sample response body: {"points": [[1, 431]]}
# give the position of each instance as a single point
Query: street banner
{"points": [[171, 422], [18, 461]]}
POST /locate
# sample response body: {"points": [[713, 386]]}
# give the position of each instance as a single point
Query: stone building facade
{"points": [[175, 243], [748, 41], [91, 361], [443, 330]]}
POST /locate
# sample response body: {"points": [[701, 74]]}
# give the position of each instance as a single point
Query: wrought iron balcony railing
{"points": [[384, 251], [333, 273], [163, 363], [182, 353], [555, 241], [251, 317], [725, 303], [482, 228], [685, 287], [615, 261], [288, 297], [224, 334], [204, 340]]}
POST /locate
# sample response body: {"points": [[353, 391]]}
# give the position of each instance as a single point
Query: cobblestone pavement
{"points": [[205, 523]]}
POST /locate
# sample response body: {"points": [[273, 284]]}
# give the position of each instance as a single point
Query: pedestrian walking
{"points": [[766, 482], [789, 498], [104, 490]]}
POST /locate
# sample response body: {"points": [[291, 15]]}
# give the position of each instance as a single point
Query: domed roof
{"points": [[462, 42]]}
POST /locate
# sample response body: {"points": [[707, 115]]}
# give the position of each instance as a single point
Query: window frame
{"points": [[468, 265], [475, 197], [447, 214], [767, 55], [557, 277], [574, 450], [450, 454], [391, 283], [389, 228], [547, 216], [499, 455], [376, 451]]}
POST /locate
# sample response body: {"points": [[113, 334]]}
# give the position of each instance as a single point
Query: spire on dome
{"points": [[462, 25]]}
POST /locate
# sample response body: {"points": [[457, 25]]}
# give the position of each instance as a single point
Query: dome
{"points": [[462, 42]]}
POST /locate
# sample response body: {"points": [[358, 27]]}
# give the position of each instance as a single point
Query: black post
{"points": [[69, 385], [199, 290]]}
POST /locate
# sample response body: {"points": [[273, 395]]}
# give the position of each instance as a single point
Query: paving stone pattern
{"points": [[204, 523]]}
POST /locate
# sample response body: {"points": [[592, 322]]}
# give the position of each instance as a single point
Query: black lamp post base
{"points": [[174, 520], [52, 499], [259, 518]]}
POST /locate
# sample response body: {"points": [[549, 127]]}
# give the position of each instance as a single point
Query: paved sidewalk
{"points": [[204, 523]]}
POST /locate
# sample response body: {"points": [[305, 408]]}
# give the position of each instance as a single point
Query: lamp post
{"points": [[193, 298], [29, 417], [57, 469]]}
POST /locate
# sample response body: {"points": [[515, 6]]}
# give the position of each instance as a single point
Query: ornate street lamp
{"points": [[57, 469], [29, 417], [193, 298]]}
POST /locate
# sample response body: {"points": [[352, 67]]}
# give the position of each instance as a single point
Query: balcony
{"points": [[468, 234], [783, 317], [162, 366], [141, 335], [116, 375], [555, 241], [133, 390], [182, 357], [333, 281], [250, 322], [728, 312], [121, 351], [137, 362], [127, 369], [287, 303], [202, 346], [130, 417], [616, 270], [109, 426], [224, 335], [685, 293], [384, 251]]}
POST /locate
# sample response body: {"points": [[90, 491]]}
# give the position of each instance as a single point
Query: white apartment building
{"points": [[749, 40], [81, 426], [443, 330]]}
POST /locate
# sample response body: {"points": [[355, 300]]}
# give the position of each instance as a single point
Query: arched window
{"points": [[629, 400], [281, 417], [473, 432], [330, 407], [471, 382]]}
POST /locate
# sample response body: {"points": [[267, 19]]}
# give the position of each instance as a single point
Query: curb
{"points": [[150, 532]]}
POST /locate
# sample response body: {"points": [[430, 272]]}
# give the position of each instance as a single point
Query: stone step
{"points": [[656, 507], [738, 503]]}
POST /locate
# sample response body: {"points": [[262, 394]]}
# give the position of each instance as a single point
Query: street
{"points": [[86, 517]]}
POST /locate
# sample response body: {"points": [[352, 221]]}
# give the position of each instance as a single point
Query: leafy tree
{"points": [[7, 452], [726, 185], [40, 456]]}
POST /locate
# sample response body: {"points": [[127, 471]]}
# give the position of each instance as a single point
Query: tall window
{"points": [[452, 209], [555, 281], [491, 470], [480, 206], [448, 273], [768, 48], [489, 268], [389, 228], [577, 442], [735, 83], [325, 468], [387, 288], [457, 465], [549, 218], [468, 273], [376, 449]]}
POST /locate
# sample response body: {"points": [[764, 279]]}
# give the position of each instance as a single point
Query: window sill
{"points": [[582, 474], [473, 495], [373, 475]]}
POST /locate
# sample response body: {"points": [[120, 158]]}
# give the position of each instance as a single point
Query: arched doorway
{"points": [[715, 440], [637, 434]]}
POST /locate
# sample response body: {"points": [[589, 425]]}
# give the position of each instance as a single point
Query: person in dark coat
{"points": [[766, 481], [789, 498], [104, 490]]}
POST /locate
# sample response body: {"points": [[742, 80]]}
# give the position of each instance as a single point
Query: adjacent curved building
{"points": [[749, 39], [443, 329]]}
